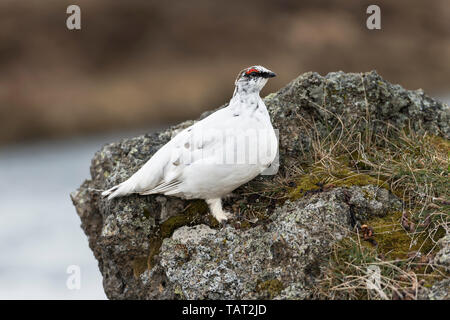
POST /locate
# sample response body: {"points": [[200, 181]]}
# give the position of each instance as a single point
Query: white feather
{"points": [[191, 165]]}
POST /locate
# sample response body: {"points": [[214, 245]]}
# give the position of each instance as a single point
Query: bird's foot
{"points": [[223, 216], [215, 206]]}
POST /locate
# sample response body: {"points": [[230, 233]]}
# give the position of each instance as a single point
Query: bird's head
{"points": [[253, 79]]}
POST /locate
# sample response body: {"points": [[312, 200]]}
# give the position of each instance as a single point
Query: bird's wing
{"points": [[163, 172]]}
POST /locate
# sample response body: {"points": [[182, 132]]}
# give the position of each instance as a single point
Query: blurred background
{"points": [[140, 65]]}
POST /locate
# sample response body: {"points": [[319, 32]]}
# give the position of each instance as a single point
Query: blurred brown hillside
{"points": [[138, 63]]}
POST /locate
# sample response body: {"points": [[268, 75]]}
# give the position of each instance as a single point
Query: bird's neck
{"points": [[245, 97], [246, 90], [245, 100]]}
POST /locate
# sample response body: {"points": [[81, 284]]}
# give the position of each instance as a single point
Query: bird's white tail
{"points": [[121, 189]]}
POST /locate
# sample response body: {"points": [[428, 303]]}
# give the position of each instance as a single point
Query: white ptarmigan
{"points": [[216, 155]]}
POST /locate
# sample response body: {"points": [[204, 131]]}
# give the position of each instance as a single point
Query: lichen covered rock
{"points": [[443, 256], [278, 259], [162, 247]]}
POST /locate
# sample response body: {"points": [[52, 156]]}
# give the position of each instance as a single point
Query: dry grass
{"points": [[413, 166]]}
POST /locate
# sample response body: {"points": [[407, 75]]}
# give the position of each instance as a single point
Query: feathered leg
{"points": [[215, 206]]}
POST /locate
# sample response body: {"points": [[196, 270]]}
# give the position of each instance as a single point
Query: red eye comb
{"points": [[251, 70]]}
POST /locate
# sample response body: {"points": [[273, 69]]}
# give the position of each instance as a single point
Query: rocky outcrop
{"points": [[160, 247], [278, 259]]}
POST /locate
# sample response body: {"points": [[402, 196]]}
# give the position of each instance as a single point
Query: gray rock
{"points": [[442, 258], [372, 201], [440, 290], [193, 235], [125, 234], [276, 260]]}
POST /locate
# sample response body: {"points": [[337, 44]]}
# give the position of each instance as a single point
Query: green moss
{"points": [[155, 245], [317, 179], [146, 213], [350, 251], [394, 242], [439, 143], [305, 184], [179, 293], [193, 214], [368, 195], [246, 225], [271, 287], [347, 178], [393, 245], [139, 264], [270, 96]]}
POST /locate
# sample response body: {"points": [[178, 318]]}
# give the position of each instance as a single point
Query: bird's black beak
{"points": [[269, 74]]}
